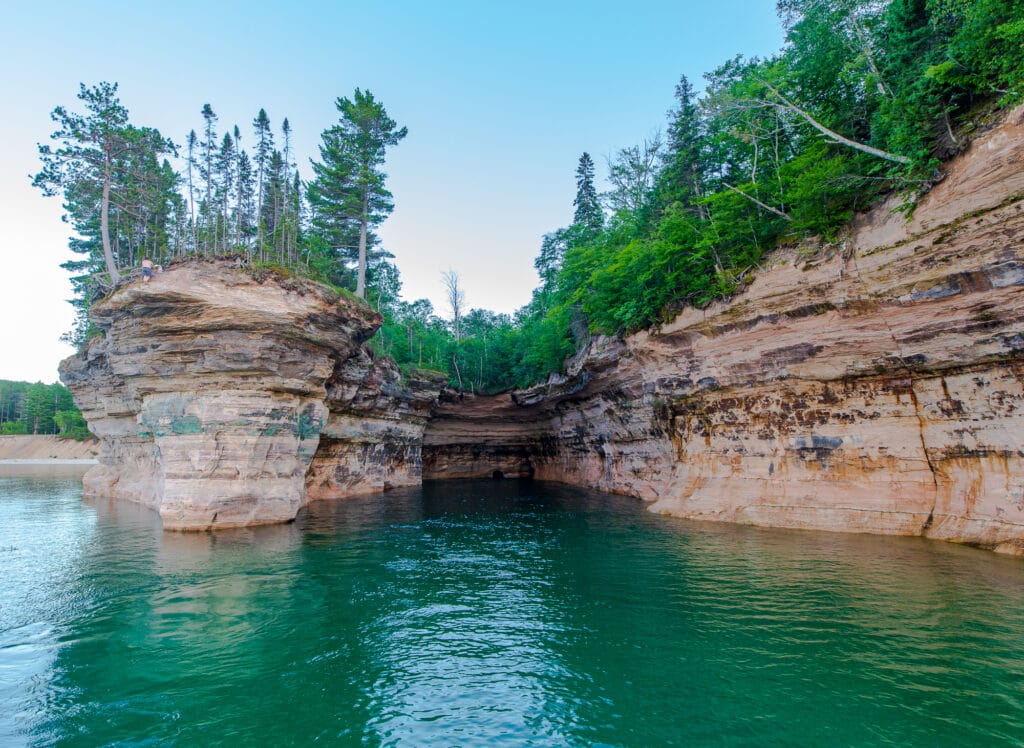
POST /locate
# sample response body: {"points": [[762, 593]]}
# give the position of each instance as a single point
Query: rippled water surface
{"points": [[494, 613]]}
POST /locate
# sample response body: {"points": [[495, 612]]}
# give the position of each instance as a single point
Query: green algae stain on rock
{"points": [[184, 425], [309, 426]]}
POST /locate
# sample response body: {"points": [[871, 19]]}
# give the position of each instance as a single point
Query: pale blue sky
{"points": [[500, 100]]}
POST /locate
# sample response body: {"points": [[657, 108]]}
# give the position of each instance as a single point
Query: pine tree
{"points": [[207, 174], [680, 178], [225, 188], [264, 149], [246, 208], [118, 196], [588, 216], [273, 203], [102, 166], [237, 166], [908, 122], [348, 194], [190, 162], [289, 215]]}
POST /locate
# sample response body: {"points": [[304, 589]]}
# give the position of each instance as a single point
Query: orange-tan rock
{"points": [[870, 386], [873, 386], [216, 394]]}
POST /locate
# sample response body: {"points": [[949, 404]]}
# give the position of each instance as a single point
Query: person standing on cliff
{"points": [[147, 269]]}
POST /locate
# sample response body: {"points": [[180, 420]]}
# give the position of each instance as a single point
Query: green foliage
{"points": [[588, 215], [40, 409], [866, 97], [347, 195], [984, 48], [119, 195]]}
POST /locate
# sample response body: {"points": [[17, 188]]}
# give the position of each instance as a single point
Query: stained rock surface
{"points": [[217, 396], [874, 385]]}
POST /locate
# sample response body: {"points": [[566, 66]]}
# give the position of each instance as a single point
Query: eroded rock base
{"points": [[874, 385], [211, 391]]}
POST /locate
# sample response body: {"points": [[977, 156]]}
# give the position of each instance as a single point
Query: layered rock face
{"points": [[373, 436], [217, 396], [873, 386]]}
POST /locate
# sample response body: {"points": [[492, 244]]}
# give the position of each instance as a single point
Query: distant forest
{"points": [[40, 409], [867, 97]]}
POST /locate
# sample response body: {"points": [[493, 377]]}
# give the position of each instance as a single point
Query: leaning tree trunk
{"points": [[108, 252], [361, 274], [831, 134]]}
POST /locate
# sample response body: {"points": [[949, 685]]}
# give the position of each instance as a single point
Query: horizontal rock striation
{"points": [[870, 386], [217, 396], [373, 436]]}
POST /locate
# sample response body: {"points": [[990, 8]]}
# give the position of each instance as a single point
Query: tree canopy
{"points": [[867, 97], [347, 195], [38, 408]]}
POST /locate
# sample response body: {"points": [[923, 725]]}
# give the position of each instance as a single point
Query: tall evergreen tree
{"points": [[680, 178], [588, 216], [118, 196], [208, 174], [348, 191], [190, 163], [246, 193], [909, 121], [226, 164], [101, 165], [264, 149]]}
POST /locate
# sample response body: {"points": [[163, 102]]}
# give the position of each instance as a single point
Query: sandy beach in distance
{"points": [[45, 456]]}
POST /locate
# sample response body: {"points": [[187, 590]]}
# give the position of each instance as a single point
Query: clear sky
{"points": [[500, 100]]}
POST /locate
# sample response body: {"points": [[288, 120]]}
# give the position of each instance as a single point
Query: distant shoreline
{"points": [[47, 450], [46, 457], [50, 461]]}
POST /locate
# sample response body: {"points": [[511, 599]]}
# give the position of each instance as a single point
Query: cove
{"points": [[497, 613]]}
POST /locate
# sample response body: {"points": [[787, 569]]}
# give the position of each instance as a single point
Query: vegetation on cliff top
{"points": [[126, 202], [866, 97]]}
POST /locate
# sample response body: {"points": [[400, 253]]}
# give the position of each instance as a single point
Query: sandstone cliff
{"points": [[874, 386], [218, 397]]}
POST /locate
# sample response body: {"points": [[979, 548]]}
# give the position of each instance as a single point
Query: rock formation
{"points": [[217, 396], [870, 386], [874, 385]]}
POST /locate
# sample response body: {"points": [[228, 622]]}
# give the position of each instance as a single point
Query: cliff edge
{"points": [[874, 385], [870, 386], [218, 396]]}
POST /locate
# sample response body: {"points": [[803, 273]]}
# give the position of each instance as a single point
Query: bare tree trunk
{"points": [[108, 252], [192, 203], [238, 214], [757, 152], [702, 210], [361, 273], [456, 299], [830, 134], [753, 199], [458, 374], [949, 127], [865, 44]]}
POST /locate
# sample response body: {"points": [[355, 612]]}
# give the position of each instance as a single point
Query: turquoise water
{"points": [[494, 613]]}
